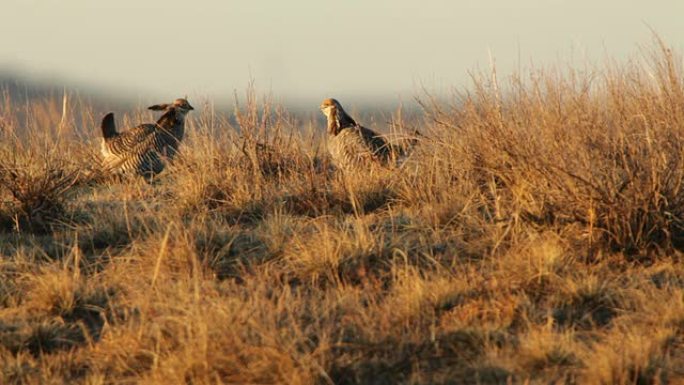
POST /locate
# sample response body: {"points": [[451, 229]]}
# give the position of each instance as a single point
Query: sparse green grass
{"points": [[535, 236]]}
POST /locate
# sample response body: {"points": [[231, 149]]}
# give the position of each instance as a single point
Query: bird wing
{"points": [[376, 144], [134, 150], [356, 146], [131, 140]]}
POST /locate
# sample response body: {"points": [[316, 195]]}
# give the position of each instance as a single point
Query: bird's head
{"points": [[330, 107], [180, 105], [337, 118]]}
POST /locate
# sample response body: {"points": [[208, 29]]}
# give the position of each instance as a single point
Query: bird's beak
{"points": [[190, 107]]}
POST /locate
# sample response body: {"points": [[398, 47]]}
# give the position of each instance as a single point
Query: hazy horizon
{"points": [[306, 50]]}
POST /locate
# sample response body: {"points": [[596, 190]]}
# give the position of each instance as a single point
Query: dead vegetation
{"points": [[535, 236]]}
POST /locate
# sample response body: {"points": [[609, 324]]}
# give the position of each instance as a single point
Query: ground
{"points": [[534, 236]]}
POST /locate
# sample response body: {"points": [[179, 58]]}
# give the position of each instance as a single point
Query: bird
{"points": [[144, 149], [352, 146]]}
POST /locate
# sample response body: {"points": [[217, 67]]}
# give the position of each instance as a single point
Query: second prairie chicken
{"points": [[144, 149], [353, 146]]}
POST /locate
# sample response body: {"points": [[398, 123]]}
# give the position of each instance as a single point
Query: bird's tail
{"points": [[108, 126]]}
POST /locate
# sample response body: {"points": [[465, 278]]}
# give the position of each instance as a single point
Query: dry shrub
{"points": [[237, 166], [38, 187], [269, 139], [507, 249], [605, 150]]}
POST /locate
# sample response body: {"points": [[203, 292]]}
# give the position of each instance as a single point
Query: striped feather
{"points": [[357, 147], [145, 149], [351, 145]]}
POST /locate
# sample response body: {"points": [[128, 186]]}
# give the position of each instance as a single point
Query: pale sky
{"points": [[305, 50]]}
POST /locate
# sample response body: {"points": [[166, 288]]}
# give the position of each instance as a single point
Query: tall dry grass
{"points": [[534, 236]]}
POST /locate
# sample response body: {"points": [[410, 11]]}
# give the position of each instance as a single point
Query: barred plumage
{"points": [[144, 149], [351, 145]]}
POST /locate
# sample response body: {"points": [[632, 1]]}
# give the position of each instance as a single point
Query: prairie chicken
{"points": [[144, 149], [351, 145]]}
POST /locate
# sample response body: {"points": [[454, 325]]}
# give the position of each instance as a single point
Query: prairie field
{"points": [[534, 236]]}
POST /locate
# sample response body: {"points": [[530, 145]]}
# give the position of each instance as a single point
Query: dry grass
{"points": [[535, 236]]}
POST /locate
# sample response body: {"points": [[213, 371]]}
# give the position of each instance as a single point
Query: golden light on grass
{"points": [[535, 236]]}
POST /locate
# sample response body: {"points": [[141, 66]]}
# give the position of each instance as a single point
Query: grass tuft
{"points": [[534, 235]]}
